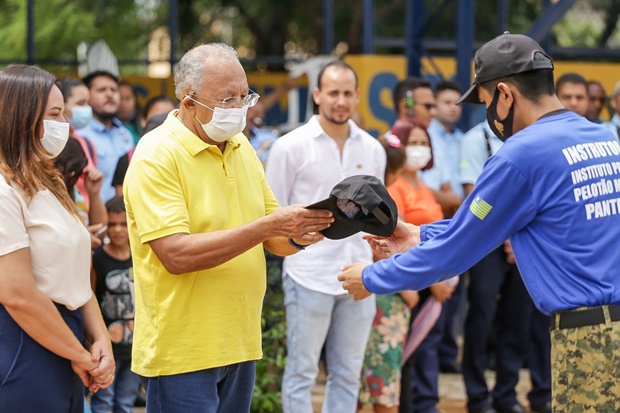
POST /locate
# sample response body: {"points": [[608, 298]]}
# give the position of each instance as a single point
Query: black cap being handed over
{"points": [[507, 54], [359, 203]]}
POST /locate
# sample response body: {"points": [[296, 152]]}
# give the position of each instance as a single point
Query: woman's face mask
{"points": [[418, 156], [55, 136], [225, 123]]}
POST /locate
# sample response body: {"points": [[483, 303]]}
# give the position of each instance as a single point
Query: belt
{"points": [[587, 317]]}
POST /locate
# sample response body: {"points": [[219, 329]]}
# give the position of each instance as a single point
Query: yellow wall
{"points": [[377, 76]]}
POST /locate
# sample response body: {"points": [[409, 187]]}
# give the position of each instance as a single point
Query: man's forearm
{"points": [[184, 253]]}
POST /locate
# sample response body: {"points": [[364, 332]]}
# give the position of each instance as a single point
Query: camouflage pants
{"points": [[585, 364]]}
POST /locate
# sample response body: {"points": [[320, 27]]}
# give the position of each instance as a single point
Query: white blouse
{"points": [[59, 243]]}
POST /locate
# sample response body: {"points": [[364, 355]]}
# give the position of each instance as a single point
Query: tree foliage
{"points": [[268, 28], [62, 25]]}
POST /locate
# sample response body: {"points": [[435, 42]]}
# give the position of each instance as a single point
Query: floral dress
{"points": [[382, 362]]}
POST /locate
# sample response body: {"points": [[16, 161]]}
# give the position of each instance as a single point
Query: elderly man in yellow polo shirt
{"points": [[199, 213]]}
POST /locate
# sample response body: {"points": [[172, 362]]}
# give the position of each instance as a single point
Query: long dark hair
{"points": [[24, 91]]}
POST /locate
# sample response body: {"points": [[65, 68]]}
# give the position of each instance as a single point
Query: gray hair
{"points": [[616, 91], [189, 73]]}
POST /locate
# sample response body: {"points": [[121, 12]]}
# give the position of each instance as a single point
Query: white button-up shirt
{"points": [[303, 167]]}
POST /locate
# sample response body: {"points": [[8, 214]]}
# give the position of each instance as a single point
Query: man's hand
{"points": [[309, 239], [404, 237], [351, 277], [510, 256], [300, 223]]}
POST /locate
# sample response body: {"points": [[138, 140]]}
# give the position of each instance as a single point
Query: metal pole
{"points": [[30, 32], [465, 33], [173, 26], [546, 40], [414, 19], [502, 16], [368, 27], [328, 26]]}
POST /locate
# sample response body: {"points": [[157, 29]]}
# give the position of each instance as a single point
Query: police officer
{"points": [[497, 295], [550, 191]]}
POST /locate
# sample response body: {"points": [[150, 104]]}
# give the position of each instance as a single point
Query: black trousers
{"points": [[496, 294]]}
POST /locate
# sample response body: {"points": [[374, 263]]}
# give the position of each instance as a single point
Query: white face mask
{"points": [[225, 123], [418, 156], [55, 137], [81, 116]]}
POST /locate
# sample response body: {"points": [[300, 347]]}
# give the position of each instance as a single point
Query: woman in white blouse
{"points": [[52, 338]]}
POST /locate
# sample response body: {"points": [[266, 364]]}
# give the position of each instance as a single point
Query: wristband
{"points": [[296, 245]]}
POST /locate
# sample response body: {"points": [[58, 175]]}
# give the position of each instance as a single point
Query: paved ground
{"points": [[451, 392]]}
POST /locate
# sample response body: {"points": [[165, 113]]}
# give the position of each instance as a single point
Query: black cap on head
{"points": [[507, 54], [359, 203]]}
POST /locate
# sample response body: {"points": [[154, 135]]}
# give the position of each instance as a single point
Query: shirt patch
{"points": [[480, 208]]}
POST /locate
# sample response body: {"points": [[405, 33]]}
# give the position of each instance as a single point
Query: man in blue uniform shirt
{"points": [[498, 301], [553, 190]]}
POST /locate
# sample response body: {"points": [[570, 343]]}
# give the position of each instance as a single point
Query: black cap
{"points": [[507, 54], [359, 203]]}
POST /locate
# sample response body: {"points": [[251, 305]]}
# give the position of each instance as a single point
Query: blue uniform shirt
{"points": [[475, 148], [261, 140], [554, 190], [111, 144], [447, 157]]}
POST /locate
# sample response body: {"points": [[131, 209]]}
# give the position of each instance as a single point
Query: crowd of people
{"points": [[165, 212]]}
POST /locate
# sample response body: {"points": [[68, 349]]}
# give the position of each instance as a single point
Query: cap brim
{"points": [[343, 226], [471, 96]]}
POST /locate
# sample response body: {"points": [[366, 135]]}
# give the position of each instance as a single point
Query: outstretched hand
{"points": [[300, 223], [351, 277], [404, 237]]}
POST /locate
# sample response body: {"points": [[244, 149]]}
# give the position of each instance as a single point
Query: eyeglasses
{"points": [[234, 102], [428, 106]]}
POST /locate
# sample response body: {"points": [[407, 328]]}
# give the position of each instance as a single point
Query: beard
{"points": [[105, 116], [334, 120]]}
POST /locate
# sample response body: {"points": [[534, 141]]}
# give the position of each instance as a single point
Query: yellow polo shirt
{"points": [[177, 183]]}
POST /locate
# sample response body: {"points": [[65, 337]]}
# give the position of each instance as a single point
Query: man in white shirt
{"points": [[303, 167]]}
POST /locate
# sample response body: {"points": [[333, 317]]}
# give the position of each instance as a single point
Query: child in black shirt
{"points": [[112, 280]]}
